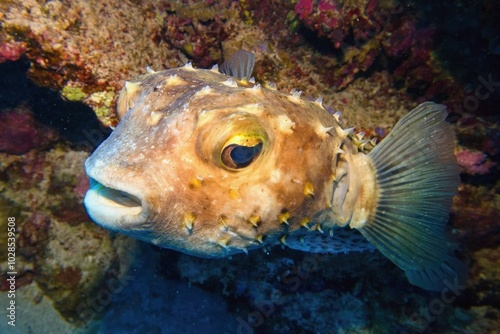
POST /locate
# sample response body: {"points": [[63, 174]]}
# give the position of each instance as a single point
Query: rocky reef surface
{"points": [[62, 64]]}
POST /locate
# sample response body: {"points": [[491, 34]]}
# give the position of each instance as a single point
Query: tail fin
{"points": [[417, 176]]}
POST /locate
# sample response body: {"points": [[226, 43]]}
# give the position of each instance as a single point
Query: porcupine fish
{"points": [[212, 164]]}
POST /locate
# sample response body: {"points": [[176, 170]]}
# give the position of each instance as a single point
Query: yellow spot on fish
{"points": [[323, 131], [304, 222], [331, 178], [318, 227], [256, 89], [270, 85], [154, 118], [319, 102], [254, 220], [259, 238], [127, 98], [283, 217], [132, 88], [188, 67], [295, 97], [309, 189], [234, 193], [283, 239], [196, 182], [253, 108], [337, 116], [285, 124], [344, 133], [175, 80], [188, 220], [204, 91], [223, 221], [230, 83], [223, 242], [328, 204]]}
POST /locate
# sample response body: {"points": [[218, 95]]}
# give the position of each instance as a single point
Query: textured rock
{"points": [[20, 132]]}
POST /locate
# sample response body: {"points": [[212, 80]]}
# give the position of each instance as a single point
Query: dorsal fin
{"points": [[239, 65]]}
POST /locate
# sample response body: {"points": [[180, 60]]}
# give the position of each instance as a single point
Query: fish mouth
{"points": [[115, 209]]}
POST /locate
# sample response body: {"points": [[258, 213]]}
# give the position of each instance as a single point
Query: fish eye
{"points": [[237, 156], [233, 141]]}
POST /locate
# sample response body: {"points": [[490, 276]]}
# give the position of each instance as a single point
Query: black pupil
{"points": [[242, 156]]}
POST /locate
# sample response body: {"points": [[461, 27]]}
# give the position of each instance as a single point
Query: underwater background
{"points": [[62, 64]]}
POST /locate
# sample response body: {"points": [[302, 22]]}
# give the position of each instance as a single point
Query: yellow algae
{"points": [[74, 94]]}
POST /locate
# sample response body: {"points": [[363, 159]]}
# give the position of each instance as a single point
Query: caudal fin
{"points": [[417, 176]]}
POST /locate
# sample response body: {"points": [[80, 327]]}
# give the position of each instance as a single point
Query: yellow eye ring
{"points": [[235, 141]]}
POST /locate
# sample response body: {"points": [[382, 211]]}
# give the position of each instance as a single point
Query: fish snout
{"points": [[114, 203]]}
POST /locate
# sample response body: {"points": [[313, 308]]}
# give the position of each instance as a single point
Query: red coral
{"points": [[304, 8], [82, 185], [401, 39], [371, 5], [68, 277], [325, 18], [17, 133], [474, 162], [198, 38], [20, 132], [34, 235], [370, 32], [11, 51]]}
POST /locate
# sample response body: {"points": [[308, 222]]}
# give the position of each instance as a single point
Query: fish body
{"points": [[211, 165]]}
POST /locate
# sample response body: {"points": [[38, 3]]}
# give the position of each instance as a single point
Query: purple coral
{"points": [[17, 133], [11, 51], [20, 132], [304, 8], [325, 18], [473, 162]]}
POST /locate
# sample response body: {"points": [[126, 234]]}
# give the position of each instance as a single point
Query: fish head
{"points": [[210, 165]]}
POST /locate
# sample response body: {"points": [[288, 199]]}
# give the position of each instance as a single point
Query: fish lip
{"points": [[115, 209]]}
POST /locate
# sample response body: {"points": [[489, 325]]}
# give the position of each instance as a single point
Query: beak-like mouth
{"points": [[114, 209]]}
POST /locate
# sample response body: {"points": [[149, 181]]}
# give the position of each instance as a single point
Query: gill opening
{"points": [[341, 187]]}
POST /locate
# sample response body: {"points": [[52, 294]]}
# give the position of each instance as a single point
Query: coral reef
{"points": [[20, 132], [368, 33], [87, 46], [59, 250], [197, 29], [474, 162], [11, 50], [373, 60], [61, 256]]}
